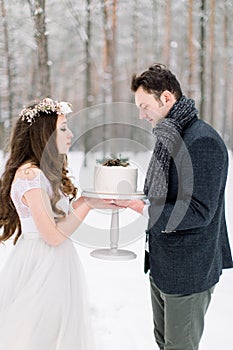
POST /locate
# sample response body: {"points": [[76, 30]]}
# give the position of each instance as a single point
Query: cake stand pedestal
{"points": [[113, 253]]}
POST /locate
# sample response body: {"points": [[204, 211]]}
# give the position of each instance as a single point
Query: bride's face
{"points": [[64, 135]]}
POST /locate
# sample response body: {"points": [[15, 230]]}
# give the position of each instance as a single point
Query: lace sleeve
{"points": [[26, 180]]}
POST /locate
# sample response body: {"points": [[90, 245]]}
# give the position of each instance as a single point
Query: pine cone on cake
{"points": [[115, 162]]}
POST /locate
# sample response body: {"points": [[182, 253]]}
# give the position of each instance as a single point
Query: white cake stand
{"points": [[113, 253]]}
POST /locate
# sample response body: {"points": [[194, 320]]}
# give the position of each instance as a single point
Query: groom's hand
{"points": [[136, 204]]}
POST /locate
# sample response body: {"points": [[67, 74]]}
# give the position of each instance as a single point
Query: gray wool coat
{"points": [[187, 233]]}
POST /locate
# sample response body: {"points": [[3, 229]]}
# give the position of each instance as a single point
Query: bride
{"points": [[42, 287]]}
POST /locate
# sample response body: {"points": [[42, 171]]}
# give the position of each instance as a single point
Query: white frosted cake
{"points": [[115, 179]]}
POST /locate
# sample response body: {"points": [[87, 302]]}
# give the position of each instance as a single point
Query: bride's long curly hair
{"points": [[34, 144]]}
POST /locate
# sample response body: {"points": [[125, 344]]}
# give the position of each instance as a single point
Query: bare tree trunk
{"points": [[33, 79], [191, 82], [155, 30], [212, 61], [109, 92], [109, 12], [202, 58], [88, 85], [167, 41], [226, 90], [9, 62], [135, 36], [38, 13], [107, 80], [114, 38], [86, 38], [88, 97]]}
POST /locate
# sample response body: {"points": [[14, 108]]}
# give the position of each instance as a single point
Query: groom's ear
{"points": [[167, 98]]}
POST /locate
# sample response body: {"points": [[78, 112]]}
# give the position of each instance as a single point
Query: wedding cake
{"points": [[115, 176]]}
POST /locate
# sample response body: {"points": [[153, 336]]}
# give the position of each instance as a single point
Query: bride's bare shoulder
{"points": [[27, 171]]}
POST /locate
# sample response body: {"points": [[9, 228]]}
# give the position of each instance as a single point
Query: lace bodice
{"points": [[22, 185], [25, 183]]}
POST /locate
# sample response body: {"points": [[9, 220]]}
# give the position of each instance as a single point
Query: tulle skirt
{"points": [[43, 302]]}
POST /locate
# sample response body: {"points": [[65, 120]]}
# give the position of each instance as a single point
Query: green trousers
{"points": [[178, 319]]}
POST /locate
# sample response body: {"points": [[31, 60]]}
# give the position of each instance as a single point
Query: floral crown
{"points": [[47, 105]]}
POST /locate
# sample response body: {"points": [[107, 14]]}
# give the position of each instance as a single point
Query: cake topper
{"points": [[114, 161]]}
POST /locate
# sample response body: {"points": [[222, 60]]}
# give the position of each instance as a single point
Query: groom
{"points": [[187, 236]]}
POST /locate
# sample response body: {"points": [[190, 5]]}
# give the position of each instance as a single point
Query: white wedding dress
{"points": [[42, 288]]}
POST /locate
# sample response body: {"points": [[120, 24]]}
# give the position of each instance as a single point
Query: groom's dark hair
{"points": [[157, 79]]}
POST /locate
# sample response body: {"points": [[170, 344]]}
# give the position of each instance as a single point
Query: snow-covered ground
{"points": [[119, 291]]}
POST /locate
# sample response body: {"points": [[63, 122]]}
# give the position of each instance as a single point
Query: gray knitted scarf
{"points": [[168, 132]]}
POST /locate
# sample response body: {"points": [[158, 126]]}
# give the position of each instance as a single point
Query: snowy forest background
{"points": [[85, 52]]}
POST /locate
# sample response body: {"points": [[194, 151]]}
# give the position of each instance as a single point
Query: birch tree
{"points": [[37, 8], [9, 64], [191, 82], [84, 39], [110, 22], [202, 55], [167, 41], [135, 39], [97, 48], [212, 60], [155, 27], [227, 118], [88, 87]]}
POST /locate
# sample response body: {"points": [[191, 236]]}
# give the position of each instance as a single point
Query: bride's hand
{"points": [[136, 204], [123, 203], [98, 203]]}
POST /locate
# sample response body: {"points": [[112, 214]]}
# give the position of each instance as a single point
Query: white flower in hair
{"points": [[65, 107], [47, 105]]}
